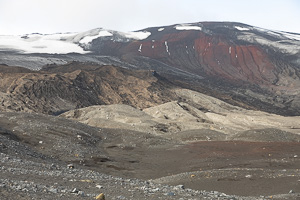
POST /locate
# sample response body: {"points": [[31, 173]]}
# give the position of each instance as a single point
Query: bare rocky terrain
{"points": [[125, 164], [56, 89], [197, 147]]}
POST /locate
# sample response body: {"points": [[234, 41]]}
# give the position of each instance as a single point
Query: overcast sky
{"points": [[52, 16]]}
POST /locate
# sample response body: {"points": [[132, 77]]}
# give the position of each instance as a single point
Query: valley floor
{"points": [[124, 164]]}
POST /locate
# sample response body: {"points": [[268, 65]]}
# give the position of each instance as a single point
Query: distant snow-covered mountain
{"points": [[258, 66], [63, 43]]}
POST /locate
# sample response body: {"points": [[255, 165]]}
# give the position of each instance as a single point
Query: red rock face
{"points": [[235, 62], [214, 55]]}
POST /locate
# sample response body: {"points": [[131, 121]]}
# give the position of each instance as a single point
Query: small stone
{"points": [[295, 156], [99, 186], [291, 192], [178, 187], [170, 194], [248, 176], [19, 187], [53, 166], [87, 181], [70, 166], [74, 190], [41, 142], [100, 197], [81, 193], [155, 190], [53, 190]]}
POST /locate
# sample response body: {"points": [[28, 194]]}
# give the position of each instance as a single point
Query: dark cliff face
{"points": [[251, 64]]}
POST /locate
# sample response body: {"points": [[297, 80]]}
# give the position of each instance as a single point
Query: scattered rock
{"points": [[100, 197], [80, 193], [53, 190], [170, 194], [291, 192], [70, 166], [75, 190], [99, 186], [179, 187]]}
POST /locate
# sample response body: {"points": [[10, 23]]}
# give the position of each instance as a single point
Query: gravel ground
{"points": [[36, 152], [34, 180]]}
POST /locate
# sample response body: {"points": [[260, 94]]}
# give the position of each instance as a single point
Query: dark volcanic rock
{"points": [[60, 88]]}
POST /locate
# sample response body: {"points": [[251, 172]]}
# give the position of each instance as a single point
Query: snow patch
{"points": [[36, 43], [62, 43], [241, 28], [280, 34], [161, 29], [229, 50], [291, 36], [187, 27], [283, 44], [89, 39], [137, 35]]}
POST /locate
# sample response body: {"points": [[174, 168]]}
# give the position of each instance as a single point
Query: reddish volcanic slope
{"points": [[224, 56], [214, 51]]}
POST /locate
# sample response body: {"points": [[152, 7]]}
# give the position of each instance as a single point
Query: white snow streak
{"points": [[161, 29], [140, 48], [229, 50], [241, 28], [167, 47], [187, 27]]}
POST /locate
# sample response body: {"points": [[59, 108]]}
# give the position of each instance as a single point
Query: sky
{"points": [[53, 16]]}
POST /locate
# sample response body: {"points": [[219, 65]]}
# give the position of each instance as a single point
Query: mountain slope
{"points": [[238, 63]]}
